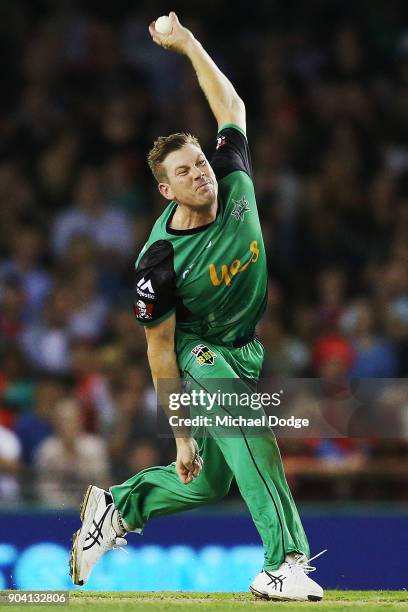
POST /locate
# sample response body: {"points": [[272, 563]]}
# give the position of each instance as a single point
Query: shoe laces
{"points": [[301, 561]]}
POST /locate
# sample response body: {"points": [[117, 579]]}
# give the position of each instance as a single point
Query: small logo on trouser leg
{"points": [[204, 355]]}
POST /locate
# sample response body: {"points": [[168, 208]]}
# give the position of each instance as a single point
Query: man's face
{"points": [[190, 180]]}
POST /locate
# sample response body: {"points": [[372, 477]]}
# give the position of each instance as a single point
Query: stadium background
{"points": [[84, 93]]}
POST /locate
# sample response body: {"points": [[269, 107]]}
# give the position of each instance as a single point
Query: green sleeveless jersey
{"points": [[214, 277]]}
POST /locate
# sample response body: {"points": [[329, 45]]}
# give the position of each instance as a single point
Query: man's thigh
{"points": [[216, 372]]}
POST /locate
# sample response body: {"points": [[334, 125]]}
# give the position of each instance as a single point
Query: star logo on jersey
{"points": [[240, 208]]}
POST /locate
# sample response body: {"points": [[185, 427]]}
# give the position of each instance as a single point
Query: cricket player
{"points": [[200, 289]]}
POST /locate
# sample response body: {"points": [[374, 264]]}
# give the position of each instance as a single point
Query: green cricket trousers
{"points": [[253, 460]]}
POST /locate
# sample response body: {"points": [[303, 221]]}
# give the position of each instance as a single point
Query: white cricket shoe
{"points": [[96, 536], [288, 583]]}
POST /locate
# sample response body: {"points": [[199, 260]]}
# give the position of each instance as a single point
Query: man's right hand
{"points": [[188, 461]]}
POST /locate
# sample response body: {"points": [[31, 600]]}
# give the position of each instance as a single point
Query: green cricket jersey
{"points": [[214, 277]]}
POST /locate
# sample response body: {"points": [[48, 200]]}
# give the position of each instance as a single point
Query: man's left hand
{"points": [[177, 40]]}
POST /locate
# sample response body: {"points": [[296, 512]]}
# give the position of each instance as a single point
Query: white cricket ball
{"points": [[163, 25]]}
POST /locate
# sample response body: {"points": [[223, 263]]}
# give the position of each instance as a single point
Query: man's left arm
{"points": [[224, 101]]}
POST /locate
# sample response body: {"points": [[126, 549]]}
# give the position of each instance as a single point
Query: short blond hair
{"points": [[165, 145]]}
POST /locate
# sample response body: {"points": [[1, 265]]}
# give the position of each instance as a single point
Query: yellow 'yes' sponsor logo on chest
{"points": [[234, 268]]}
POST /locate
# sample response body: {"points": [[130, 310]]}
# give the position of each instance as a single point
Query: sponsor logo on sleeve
{"points": [[143, 311], [204, 355], [145, 289], [221, 141]]}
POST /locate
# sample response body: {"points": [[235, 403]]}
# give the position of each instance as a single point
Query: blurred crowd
{"points": [[84, 94]]}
